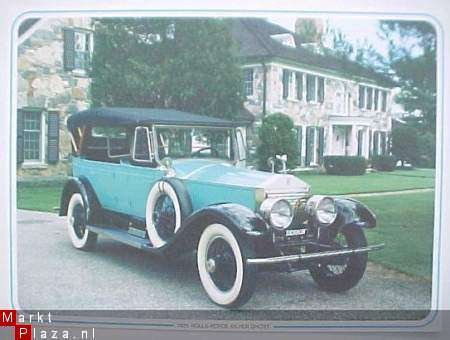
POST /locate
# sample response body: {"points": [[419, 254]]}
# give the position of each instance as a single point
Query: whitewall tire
{"points": [[163, 213], [81, 237], [221, 261]]}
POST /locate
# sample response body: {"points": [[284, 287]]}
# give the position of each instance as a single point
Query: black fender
{"points": [[353, 212], [82, 186], [242, 221]]}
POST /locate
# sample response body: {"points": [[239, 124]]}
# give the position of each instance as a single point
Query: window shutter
{"points": [[384, 101], [309, 144], [360, 142], [361, 97], [310, 87], [299, 81], [383, 142], [376, 136], [69, 49], [19, 146], [299, 144], [285, 84], [321, 144], [321, 94], [53, 137]]}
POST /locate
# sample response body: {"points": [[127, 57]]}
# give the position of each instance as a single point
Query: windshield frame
{"points": [[232, 135]]}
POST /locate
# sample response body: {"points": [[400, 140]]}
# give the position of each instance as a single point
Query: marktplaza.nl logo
{"points": [[23, 327]]}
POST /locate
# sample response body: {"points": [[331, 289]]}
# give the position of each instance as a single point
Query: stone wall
{"points": [[43, 83]]}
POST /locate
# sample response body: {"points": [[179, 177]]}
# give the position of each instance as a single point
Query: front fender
{"points": [[82, 186], [242, 221], [354, 212]]}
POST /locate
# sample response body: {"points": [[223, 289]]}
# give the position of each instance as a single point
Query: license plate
{"points": [[296, 232]]}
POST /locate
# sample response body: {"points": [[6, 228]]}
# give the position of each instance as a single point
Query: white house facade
{"points": [[337, 106]]}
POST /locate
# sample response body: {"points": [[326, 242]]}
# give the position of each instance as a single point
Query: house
{"points": [[53, 62], [338, 107]]}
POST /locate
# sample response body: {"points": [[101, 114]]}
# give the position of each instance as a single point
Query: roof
{"points": [[127, 116], [253, 36]]}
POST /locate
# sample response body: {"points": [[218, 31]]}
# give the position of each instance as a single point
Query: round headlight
{"points": [[324, 208], [278, 212]]}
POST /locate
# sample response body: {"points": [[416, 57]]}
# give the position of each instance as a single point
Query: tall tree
{"points": [[180, 63], [412, 54]]}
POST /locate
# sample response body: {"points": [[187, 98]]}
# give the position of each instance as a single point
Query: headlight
{"points": [[323, 208], [278, 212]]}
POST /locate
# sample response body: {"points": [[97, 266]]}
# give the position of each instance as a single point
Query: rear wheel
{"points": [[81, 237], [341, 274], [221, 259]]}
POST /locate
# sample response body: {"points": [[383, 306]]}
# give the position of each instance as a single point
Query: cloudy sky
{"points": [[354, 29]]}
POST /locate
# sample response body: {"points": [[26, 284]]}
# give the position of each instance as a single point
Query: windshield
{"points": [[188, 142]]}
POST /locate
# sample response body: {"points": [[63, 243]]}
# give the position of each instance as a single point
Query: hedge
{"points": [[345, 165], [384, 162]]}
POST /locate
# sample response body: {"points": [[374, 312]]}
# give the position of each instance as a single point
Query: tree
{"points": [[185, 64], [276, 137], [405, 144], [412, 57]]}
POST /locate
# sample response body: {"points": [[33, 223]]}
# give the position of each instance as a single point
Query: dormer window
{"points": [[286, 39]]}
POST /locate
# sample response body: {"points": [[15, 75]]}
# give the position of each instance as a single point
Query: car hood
{"points": [[220, 172]]}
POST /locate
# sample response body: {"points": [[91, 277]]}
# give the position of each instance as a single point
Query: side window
{"points": [[142, 150], [107, 144], [248, 82]]}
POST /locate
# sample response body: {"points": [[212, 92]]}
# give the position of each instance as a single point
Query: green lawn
{"points": [[370, 182], [405, 225], [39, 197]]}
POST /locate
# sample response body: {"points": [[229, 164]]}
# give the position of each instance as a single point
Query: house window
{"points": [[248, 82], [369, 100], [376, 98], [362, 96], [286, 81], [321, 89], [32, 121], [311, 89], [299, 84], [384, 101], [77, 49]]}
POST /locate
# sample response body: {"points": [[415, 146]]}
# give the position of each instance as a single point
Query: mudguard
{"points": [[241, 220], [352, 212], [82, 186]]}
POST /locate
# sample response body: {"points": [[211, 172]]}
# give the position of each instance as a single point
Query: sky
{"points": [[355, 29]]}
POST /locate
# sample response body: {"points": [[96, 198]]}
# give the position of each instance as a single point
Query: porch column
{"points": [[354, 140], [329, 147]]}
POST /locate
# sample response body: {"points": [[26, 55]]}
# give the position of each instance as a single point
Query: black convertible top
{"points": [[127, 116]]}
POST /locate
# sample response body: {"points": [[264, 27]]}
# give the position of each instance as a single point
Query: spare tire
{"points": [[168, 205]]}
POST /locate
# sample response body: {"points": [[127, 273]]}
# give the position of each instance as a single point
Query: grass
{"points": [[42, 197], [370, 182], [405, 225]]}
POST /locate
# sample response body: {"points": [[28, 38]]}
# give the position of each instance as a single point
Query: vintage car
{"points": [[172, 182]]}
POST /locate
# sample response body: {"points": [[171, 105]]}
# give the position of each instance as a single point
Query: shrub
{"points": [[384, 162], [276, 137], [345, 165]]}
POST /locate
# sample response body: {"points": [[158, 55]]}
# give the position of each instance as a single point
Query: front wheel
{"points": [[221, 260], [338, 275]]}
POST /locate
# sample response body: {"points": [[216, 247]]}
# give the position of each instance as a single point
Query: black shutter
{"points": [[309, 144], [384, 101], [321, 144], [69, 49], [321, 82], [360, 142], [299, 81], [285, 84], [370, 143], [53, 137], [299, 144], [19, 146]]}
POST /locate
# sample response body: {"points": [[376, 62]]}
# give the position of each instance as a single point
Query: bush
{"points": [[276, 137], [384, 162], [345, 165]]}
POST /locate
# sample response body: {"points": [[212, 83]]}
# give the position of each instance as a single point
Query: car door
{"points": [[138, 174]]}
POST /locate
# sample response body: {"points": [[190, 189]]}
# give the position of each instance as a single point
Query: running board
{"points": [[122, 235], [314, 256]]}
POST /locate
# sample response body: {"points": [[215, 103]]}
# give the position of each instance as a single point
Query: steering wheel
{"points": [[214, 151]]}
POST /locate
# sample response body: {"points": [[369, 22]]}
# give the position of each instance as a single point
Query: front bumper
{"points": [[313, 256]]}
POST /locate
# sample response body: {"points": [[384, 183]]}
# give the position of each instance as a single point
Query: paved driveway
{"points": [[54, 275]]}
